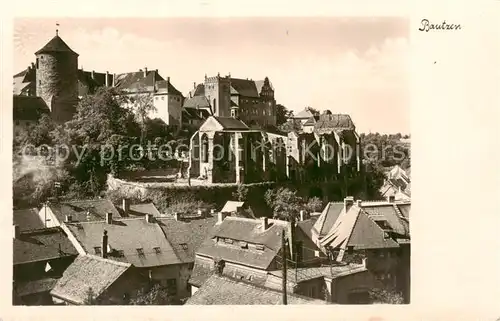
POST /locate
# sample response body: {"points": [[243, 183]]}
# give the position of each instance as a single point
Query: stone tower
{"points": [[217, 91], [57, 78]]}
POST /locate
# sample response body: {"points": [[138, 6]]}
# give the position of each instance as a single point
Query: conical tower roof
{"points": [[56, 44]]}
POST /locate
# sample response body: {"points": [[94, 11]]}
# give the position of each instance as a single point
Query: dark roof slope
{"points": [[28, 219], [136, 81], [165, 86], [245, 87], [29, 108], [42, 245], [186, 237], [230, 123], [56, 44], [88, 272], [197, 101], [219, 290], [125, 237], [328, 122], [78, 210]]}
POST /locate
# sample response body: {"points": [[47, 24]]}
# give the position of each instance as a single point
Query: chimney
{"points": [[358, 203], [16, 232], [348, 202], [391, 198], [177, 216], [145, 72], [303, 215], [92, 74], [126, 206], [106, 80], [32, 65], [154, 80], [109, 218], [149, 218], [265, 223], [113, 80], [194, 85], [168, 79], [69, 218], [104, 249]]}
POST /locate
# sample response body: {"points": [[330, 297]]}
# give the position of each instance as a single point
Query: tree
{"points": [[314, 204], [241, 193], [152, 295], [284, 202], [100, 119], [282, 114]]}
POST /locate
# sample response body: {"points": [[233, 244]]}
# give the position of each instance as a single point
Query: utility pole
{"points": [[283, 247]]}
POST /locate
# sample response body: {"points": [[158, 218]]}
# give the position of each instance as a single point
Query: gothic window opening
{"points": [[204, 148]]}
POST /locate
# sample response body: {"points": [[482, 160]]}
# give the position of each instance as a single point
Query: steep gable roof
{"points": [[86, 272], [245, 87], [56, 44], [229, 123], [125, 237], [218, 290], [328, 217], [42, 245]]}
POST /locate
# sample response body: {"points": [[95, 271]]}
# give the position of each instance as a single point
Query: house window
{"points": [[140, 252], [382, 254], [162, 98], [37, 63], [259, 247], [228, 241], [97, 250], [172, 286], [350, 249], [40, 82], [157, 250]]}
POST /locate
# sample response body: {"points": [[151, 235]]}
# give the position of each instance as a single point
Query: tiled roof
{"points": [[29, 108], [329, 122], [42, 245], [28, 219], [133, 81], [388, 212], [187, 236], [56, 44], [165, 86], [125, 237], [230, 123], [200, 274], [245, 87], [328, 217], [198, 91], [197, 101], [246, 230], [140, 210], [405, 209], [36, 286], [355, 228], [78, 210], [291, 125], [219, 290], [309, 273], [88, 272]]}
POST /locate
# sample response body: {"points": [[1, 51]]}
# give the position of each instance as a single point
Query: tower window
{"points": [[36, 63]]}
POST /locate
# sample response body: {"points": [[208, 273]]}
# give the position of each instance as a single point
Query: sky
{"points": [[353, 65]]}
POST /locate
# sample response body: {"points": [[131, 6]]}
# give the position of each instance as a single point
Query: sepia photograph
{"points": [[211, 161]]}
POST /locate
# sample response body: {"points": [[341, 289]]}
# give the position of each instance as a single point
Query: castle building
{"points": [[57, 80], [253, 100]]}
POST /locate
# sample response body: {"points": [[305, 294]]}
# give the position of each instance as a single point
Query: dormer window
{"points": [[259, 247], [184, 246], [97, 250], [140, 252], [157, 250], [244, 245], [228, 241]]}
